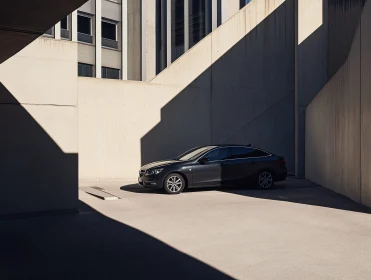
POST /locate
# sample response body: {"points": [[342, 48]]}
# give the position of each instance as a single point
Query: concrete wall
{"points": [[338, 124], [234, 86], [39, 133], [113, 116]]}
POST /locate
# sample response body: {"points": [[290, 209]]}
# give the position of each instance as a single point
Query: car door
{"points": [[239, 167], [210, 172]]}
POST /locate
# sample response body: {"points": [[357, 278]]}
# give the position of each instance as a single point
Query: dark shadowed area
{"points": [[35, 174], [89, 245]]}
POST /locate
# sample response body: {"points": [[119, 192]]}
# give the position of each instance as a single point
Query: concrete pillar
{"points": [[124, 39], [57, 31], [98, 38], [168, 35], [74, 26], [214, 14], [186, 25], [132, 19], [148, 39], [229, 8]]}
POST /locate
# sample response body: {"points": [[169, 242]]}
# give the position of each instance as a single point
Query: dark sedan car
{"points": [[216, 165]]}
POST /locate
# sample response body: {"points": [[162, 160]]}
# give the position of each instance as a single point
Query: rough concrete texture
{"points": [[295, 231], [337, 126], [39, 133]]}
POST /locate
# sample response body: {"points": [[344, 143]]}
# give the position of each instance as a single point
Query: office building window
{"points": [[109, 30], [219, 12], [85, 70], [161, 35], [177, 29], [110, 73], [196, 21], [65, 34], [243, 3], [64, 23], [84, 24], [84, 28], [109, 34]]}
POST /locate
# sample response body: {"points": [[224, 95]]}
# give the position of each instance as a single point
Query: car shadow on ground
{"points": [[292, 190]]}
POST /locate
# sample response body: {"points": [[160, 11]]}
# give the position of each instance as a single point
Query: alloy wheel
{"points": [[174, 184], [265, 180]]}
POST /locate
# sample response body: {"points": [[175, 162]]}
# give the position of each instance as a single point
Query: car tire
{"points": [[265, 180], [174, 183]]}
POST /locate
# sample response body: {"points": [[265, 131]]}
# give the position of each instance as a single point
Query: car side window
{"points": [[217, 154], [242, 152]]}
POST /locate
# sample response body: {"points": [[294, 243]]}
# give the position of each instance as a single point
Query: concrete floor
{"points": [[295, 231]]}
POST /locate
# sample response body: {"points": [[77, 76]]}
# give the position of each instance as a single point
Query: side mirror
{"points": [[203, 160]]}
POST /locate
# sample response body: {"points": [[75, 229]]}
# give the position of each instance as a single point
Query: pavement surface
{"points": [[294, 231]]}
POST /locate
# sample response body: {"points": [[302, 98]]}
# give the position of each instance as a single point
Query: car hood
{"points": [[159, 164]]}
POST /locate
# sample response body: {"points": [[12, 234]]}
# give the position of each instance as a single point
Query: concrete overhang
{"points": [[22, 21]]}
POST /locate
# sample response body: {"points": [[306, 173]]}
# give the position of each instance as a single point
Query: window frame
{"points": [[90, 17], [92, 69], [115, 23]]}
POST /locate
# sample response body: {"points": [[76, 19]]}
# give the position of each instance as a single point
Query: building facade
{"points": [[135, 40]]}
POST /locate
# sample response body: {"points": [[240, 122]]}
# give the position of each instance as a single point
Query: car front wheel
{"points": [[265, 180], [174, 183]]}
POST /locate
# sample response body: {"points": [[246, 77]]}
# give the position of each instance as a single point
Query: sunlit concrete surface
{"points": [[295, 231]]}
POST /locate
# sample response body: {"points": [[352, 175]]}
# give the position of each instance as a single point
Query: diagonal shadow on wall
{"points": [[246, 96], [35, 174]]}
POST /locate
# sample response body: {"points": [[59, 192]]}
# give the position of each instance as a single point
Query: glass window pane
{"points": [[64, 24], [109, 30], [240, 152], [84, 24], [110, 73], [218, 154], [85, 70]]}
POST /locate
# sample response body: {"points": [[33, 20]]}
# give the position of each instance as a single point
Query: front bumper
{"points": [[150, 181]]}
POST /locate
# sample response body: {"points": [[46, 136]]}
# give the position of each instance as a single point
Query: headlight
{"points": [[154, 171]]}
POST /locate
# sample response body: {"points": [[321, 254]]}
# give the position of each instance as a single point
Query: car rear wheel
{"points": [[174, 183], [265, 180]]}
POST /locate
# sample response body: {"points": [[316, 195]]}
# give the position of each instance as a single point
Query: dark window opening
{"points": [[84, 24], [243, 3], [110, 73], [64, 24], [109, 30], [196, 21], [219, 13], [85, 70], [177, 29], [161, 35]]}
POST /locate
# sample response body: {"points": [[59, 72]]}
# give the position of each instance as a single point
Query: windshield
{"points": [[193, 154]]}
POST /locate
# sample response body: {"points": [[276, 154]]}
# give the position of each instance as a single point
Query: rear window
{"points": [[242, 152]]}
